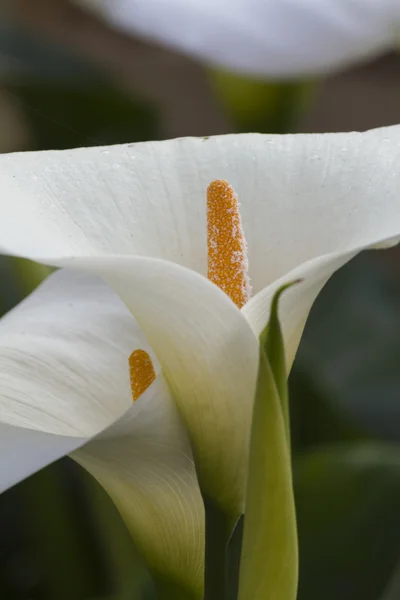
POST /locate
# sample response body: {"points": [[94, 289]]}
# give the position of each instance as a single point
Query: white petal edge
{"points": [[279, 38], [24, 451], [301, 196], [296, 303], [75, 329], [64, 357], [55, 392]]}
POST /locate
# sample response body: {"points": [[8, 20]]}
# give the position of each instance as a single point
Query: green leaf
{"points": [[347, 499], [234, 550], [269, 564], [218, 533]]}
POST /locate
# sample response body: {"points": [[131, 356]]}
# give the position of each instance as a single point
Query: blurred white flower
{"points": [[272, 38]]}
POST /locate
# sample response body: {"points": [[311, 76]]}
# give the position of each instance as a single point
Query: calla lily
{"points": [[262, 37], [64, 380], [136, 216]]}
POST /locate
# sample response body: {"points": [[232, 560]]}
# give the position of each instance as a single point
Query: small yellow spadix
{"points": [[141, 371]]}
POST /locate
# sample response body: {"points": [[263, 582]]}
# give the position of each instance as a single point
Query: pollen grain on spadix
{"points": [[141, 371], [227, 248]]}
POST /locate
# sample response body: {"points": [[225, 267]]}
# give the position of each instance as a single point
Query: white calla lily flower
{"points": [[275, 38], [64, 378], [136, 216]]}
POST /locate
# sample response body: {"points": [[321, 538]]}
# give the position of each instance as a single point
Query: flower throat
{"points": [[227, 268]]}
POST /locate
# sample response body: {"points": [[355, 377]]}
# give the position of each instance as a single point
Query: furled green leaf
{"points": [[269, 553], [272, 341]]}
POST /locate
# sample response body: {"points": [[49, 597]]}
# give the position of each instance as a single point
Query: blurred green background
{"points": [[61, 537]]}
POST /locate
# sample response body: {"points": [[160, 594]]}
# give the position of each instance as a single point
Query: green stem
{"points": [[218, 532], [234, 552], [166, 590], [257, 105]]}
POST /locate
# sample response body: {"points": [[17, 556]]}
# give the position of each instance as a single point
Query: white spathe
{"points": [[136, 215], [64, 378], [275, 38]]}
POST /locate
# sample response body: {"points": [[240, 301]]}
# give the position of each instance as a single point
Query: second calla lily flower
{"points": [[64, 379]]}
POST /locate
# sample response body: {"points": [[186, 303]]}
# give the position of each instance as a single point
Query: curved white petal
{"points": [[64, 383], [297, 301], [64, 358], [209, 355], [145, 463], [277, 38], [24, 451]]}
